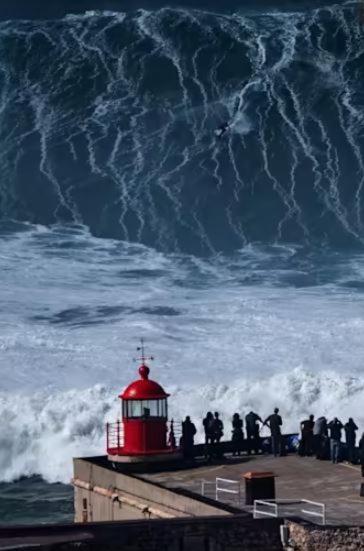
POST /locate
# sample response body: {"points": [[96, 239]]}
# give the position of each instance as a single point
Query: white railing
{"points": [[273, 506], [321, 514], [227, 486], [278, 508], [205, 485]]}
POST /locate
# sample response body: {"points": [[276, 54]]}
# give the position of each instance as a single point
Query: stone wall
{"points": [[230, 533], [308, 537]]}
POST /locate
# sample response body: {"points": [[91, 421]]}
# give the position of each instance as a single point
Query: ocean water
{"points": [[240, 261]]}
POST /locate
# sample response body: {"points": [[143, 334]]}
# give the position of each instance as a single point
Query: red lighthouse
{"points": [[143, 434]]}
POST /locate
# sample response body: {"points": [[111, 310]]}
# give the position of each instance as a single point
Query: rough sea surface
{"points": [[240, 261]]}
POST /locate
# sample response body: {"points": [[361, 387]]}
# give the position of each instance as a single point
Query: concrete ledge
{"points": [[156, 458]]}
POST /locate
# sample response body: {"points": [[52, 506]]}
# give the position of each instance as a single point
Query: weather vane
{"points": [[143, 358]]}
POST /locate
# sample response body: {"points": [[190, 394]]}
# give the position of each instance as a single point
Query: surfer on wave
{"points": [[224, 127]]}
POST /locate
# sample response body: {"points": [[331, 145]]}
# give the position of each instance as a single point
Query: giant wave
{"points": [[107, 120], [240, 261]]}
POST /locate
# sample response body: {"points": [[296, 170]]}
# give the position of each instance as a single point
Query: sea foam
{"points": [[41, 432]]}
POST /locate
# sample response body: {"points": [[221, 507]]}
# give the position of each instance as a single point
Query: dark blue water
{"points": [[29, 500], [108, 118]]}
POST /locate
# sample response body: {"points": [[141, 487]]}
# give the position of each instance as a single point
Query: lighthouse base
{"points": [[156, 457]]}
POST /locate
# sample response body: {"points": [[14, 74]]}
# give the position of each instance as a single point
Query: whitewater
{"points": [[264, 327], [241, 262]]}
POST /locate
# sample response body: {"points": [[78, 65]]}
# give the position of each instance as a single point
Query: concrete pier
{"points": [[107, 491]]}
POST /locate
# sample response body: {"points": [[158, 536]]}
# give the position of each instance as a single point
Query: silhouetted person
{"points": [[361, 453], [207, 426], [217, 428], [274, 422], [335, 427], [307, 426], [188, 433], [252, 431], [320, 437], [350, 437], [237, 434]]}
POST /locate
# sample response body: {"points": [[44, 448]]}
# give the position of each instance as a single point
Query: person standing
{"points": [[274, 422], [217, 428], [252, 431], [237, 434], [335, 427], [188, 433], [217, 434], [207, 427], [361, 453], [307, 436], [350, 437], [319, 437]]}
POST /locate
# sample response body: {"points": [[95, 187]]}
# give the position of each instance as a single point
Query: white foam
{"points": [[40, 433], [228, 334]]}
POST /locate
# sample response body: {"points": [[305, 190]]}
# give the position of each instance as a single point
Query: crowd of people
{"points": [[320, 437]]}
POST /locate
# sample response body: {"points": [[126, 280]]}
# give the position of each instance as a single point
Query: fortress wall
{"points": [[308, 537]]}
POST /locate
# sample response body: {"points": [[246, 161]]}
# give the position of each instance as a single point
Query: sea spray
{"points": [[41, 432]]}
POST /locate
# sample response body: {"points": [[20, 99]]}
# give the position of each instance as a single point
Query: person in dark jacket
{"points": [[207, 427], [252, 431], [217, 428], [361, 453], [188, 433], [274, 422], [306, 447], [350, 437], [237, 434], [335, 427], [320, 438]]}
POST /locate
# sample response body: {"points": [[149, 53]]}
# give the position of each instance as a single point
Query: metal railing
{"points": [[222, 489], [205, 488], [230, 491], [115, 434], [227, 486], [280, 508], [321, 515], [273, 506]]}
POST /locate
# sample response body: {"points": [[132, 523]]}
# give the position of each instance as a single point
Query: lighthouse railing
{"points": [[114, 435], [174, 433]]}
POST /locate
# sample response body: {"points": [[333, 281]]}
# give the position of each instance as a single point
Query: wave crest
{"points": [[40, 433]]}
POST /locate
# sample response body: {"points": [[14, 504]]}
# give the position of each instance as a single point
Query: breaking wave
{"points": [[107, 119], [41, 433], [264, 327], [240, 260]]}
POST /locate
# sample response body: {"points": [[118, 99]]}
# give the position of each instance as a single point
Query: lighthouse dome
{"points": [[144, 388]]}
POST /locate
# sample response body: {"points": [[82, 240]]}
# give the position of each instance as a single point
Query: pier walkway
{"points": [[337, 486]]}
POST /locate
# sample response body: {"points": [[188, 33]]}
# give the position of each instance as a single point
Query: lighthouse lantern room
{"points": [[142, 434]]}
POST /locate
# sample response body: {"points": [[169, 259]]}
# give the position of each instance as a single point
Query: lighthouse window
{"points": [[145, 408], [135, 408]]}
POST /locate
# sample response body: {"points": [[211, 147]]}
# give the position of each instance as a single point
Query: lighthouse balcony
{"points": [[114, 437], [148, 442]]}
